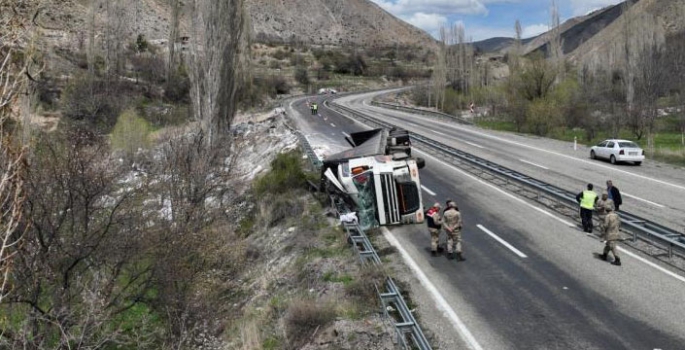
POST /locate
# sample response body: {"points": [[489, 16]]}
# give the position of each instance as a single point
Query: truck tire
{"points": [[420, 162]]}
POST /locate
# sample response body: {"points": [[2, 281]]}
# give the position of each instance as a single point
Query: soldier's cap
{"points": [[609, 208], [452, 204], [436, 205]]}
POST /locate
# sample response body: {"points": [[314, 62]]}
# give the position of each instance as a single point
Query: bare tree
{"points": [[516, 51], [556, 52], [173, 37], [219, 44], [15, 64]]}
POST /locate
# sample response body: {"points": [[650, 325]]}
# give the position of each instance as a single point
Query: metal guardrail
{"points": [[389, 294], [440, 115], [407, 328], [670, 240]]}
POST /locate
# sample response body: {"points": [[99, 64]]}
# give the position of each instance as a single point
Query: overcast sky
{"points": [[485, 19]]}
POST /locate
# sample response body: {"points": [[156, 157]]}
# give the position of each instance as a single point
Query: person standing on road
{"points": [[612, 223], [602, 206], [453, 224], [614, 194], [587, 200], [315, 108], [434, 222]]}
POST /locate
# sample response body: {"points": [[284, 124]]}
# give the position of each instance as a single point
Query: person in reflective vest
{"points": [[434, 222], [587, 200]]}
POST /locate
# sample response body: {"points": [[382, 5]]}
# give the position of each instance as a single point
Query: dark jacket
{"points": [[616, 195], [433, 219]]}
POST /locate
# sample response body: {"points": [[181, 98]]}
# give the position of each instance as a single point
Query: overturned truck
{"points": [[378, 178]]}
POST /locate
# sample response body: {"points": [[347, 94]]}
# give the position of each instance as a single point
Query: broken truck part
{"points": [[378, 178]]}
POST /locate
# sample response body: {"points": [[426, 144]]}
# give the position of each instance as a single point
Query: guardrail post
{"points": [[575, 143]]}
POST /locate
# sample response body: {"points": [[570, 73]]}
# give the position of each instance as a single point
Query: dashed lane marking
{"points": [[504, 243], [427, 190], [501, 191], [533, 164], [346, 134], [472, 144], [333, 125]]}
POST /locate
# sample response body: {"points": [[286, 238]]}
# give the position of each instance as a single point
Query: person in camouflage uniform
{"points": [[601, 207], [612, 226], [453, 223]]}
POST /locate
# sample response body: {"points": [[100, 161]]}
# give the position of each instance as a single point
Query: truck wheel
{"points": [[420, 162]]}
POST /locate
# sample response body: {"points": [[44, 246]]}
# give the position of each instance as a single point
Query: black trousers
{"points": [[586, 218]]}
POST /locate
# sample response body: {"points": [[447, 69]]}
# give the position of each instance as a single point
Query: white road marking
{"points": [[472, 144], [333, 125], [670, 273], [593, 163], [440, 301], [427, 190], [644, 200], [501, 191], [439, 133], [346, 134], [504, 243], [533, 164]]}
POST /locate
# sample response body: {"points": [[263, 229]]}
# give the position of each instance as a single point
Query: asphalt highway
{"points": [[654, 191], [531, 280]]}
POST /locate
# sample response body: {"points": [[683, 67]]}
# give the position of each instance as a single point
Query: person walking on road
{"points": [[453, 223], [602, 206], [434, 222], [612, 224], [614, 194], [587, 200]]}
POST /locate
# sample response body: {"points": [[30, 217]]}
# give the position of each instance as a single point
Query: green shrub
{"points": [[130, 133], [302, 76], [286, 174]]}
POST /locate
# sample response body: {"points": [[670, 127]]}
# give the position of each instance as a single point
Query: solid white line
{"points": [[472, 144], [644, 200], [333, 125], [439, 133], [346, 134], [501, 191], [533, 164], [440, 301], [504, 243], [670, 273], [427, 190], [593, 163]]}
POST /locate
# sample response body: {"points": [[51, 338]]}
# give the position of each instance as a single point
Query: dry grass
{"points": [[304, 317], [249, 336]]}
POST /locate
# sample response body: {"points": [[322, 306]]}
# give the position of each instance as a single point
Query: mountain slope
{"points": [[331, 22]]}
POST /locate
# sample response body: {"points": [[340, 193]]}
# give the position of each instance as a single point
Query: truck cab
{"points": [[378, 177]]}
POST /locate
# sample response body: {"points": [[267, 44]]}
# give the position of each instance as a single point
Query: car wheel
{"points": [[612, 159], [593, 155], [638, 163]]}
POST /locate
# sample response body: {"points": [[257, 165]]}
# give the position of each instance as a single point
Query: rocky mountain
{"points": [[594, 36], [308, 22], [331, 22]]}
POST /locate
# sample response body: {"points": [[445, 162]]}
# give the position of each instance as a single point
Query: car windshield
{"points": [[628, 144]]}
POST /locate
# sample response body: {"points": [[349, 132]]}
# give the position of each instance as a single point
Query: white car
{"points": [[616, 150]]}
